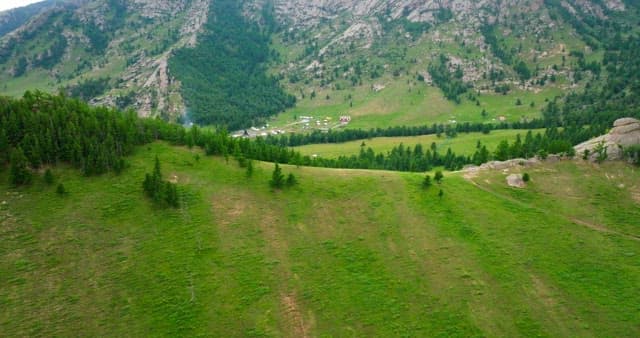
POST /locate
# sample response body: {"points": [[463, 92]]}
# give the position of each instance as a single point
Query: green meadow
{"points": [[411, 105], [343, 253], [462, 144]]}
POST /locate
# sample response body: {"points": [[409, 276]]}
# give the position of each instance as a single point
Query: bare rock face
{"points": [[516, 181], [625, 133]]}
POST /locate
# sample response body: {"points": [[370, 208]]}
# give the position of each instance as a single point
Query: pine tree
{"points": [[60, 190], [277, 178], [19, 174], [427, 182], [439, 176], [171, 195], [291, 180], [162, 192], [249, 171], [48, 177]]}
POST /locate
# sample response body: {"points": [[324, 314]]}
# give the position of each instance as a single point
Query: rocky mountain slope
{"points": [[110, 52], [116, 52], [521, 43], [12, 19]]}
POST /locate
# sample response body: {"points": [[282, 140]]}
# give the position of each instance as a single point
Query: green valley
{"points": [[342, 168], [333, 255]]}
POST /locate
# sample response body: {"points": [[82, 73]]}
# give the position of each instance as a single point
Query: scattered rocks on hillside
{"points": [[501, 165], [625, 133], [516, 181]]}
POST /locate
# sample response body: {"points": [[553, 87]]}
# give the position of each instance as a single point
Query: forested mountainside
{"points": [[111, 52], [236, 63]]}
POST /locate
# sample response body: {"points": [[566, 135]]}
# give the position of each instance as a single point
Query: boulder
{"points": [[625, 133], [515, 180]]}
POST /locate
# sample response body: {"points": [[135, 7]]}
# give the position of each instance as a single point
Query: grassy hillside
{"points": [[333, 256], [401, 104]]}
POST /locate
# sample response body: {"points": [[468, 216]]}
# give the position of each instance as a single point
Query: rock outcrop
{"points": [[502, 165], [625, 133], [516, 181]]}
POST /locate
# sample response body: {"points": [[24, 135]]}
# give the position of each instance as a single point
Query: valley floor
{"points": [[344, 253]]}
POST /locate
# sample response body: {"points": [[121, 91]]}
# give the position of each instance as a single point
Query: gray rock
{"points": [[516, 181], [625, 133]]}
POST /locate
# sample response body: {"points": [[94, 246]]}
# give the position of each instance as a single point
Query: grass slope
{"points": [[401, 104], [345, 253]]}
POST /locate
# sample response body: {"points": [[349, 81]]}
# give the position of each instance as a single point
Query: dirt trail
{"points": [[602, 228], [233, 205], [592, 226], [294, 316]]}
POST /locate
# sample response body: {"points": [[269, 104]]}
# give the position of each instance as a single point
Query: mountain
{"points": [[14, 18], [110, 52], [225, 62]]}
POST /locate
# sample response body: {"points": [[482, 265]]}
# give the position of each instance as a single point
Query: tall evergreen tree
{"points": [[277, 178]]}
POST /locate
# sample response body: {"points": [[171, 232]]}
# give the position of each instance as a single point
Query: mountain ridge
{"points": [[333, 47]]}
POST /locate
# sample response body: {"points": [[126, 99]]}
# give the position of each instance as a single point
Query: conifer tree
{"points": [[291, 180], [60, 190], [48, 177], [249, 171], [426, 183], [277, 178], [19, 174], [439, 176]]}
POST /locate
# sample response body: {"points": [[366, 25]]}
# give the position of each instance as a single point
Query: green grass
{"points": [[463, 144], [344, 253], [402, 104]]}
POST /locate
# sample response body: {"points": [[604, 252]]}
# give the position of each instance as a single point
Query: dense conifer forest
{"points": [[224, 78]]}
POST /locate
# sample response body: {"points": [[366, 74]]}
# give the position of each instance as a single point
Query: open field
{"points": [[402, 104], [344, 253], [463, 144]]}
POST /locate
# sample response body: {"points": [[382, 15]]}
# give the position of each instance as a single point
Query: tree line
{"points": [[43, 129], [419, 158], [346, 135]]}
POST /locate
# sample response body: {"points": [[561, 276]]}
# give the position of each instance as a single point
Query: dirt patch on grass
{"points": [[635, 195], [229, 205], [557, 312], [293, 317], [543, 292]]}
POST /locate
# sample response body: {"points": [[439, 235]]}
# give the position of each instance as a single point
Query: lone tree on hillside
{"points": [[277, 178], [526, 177], [426, 183], [249, 171], [291, 180], [439, 176], [160, 191], [48, 177], [60, 190]]}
